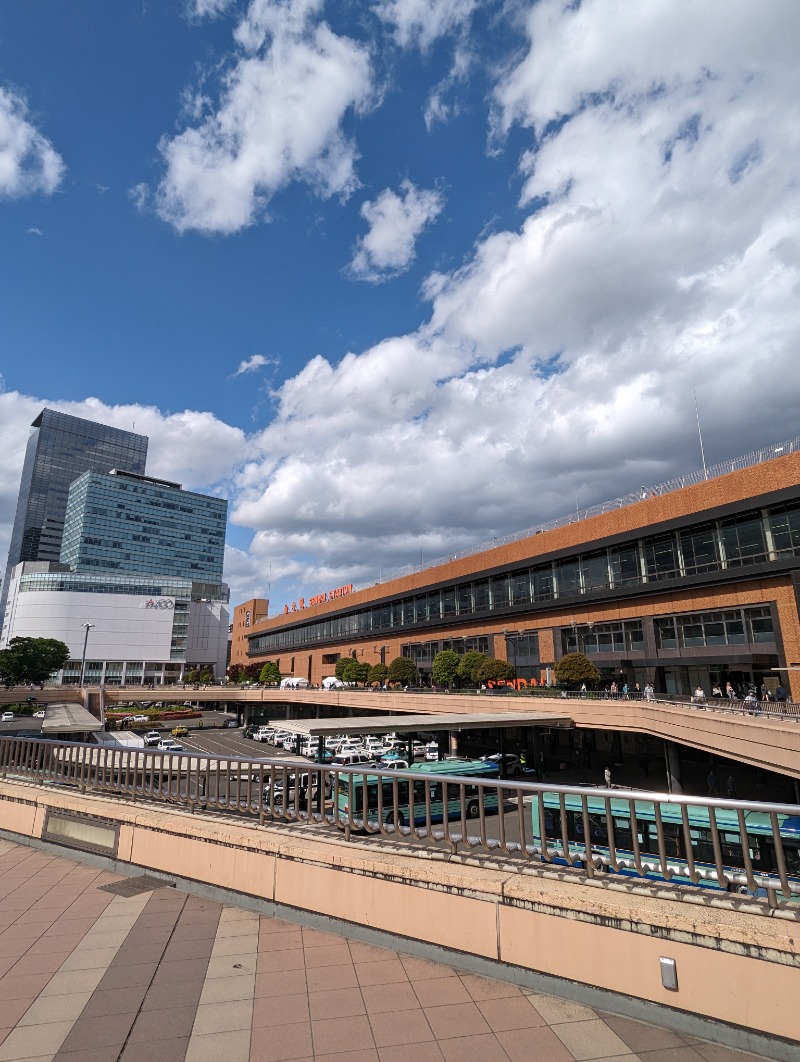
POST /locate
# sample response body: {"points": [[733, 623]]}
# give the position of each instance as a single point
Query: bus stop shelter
{"points": [[443, 725]]}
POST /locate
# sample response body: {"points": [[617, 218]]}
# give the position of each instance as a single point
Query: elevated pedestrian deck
{"points": [[599, 945], [760, 740], [87, 972]]}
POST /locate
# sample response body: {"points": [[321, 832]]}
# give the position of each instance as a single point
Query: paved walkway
{"points": [[92, 975]]}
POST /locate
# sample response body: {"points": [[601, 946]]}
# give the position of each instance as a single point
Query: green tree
{"points": [[377, 674], [354, 670], [445, 667], [270, 673], [341, 664], [494, 670], [469, 665], [402, 670], [32, 659], [574, 669]]}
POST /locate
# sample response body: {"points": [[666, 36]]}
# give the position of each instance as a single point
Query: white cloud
{"points": [[253, 364], [421, 22], [200, 9], [29, 163], [396, 222], [659, 251], [279, 119], [34, 232]]}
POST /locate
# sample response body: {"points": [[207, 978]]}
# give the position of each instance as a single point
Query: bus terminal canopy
{"points": [[413, 724], [69, 719]]}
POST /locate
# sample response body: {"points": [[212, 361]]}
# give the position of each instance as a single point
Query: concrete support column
{"points": [[616, 748], [673, 765], [443, 743]]}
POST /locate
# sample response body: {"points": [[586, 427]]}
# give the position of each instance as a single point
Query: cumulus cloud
{"points": [[419, 23], [658, 252], [29, 163], [200, 9], [253, 364], [278, 119], [396, 222]]}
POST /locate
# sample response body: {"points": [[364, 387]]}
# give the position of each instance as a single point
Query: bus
{"points": [[624, 834], [371, 800]]}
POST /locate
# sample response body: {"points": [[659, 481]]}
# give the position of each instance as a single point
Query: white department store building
{"points": [[144, 629]]}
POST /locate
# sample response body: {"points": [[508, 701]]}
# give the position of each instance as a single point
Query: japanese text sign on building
{"points": [[318, 599]]}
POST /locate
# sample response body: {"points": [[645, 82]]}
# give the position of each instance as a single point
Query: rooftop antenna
{"points": [[700, 434]]}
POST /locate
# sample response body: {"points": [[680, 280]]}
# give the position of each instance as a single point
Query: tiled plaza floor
{"points": [[89, 976]]}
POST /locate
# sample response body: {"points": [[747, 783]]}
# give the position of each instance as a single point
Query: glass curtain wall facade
{"points": [[60, 449], [126, 523]]}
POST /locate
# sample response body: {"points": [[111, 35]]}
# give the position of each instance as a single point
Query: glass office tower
{"points": [[60, 449], [122, 522]]}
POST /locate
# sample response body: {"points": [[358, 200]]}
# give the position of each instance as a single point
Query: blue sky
{"points": [[399, 276]]}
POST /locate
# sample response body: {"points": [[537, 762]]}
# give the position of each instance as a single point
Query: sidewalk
{"points": [[95, 967]]}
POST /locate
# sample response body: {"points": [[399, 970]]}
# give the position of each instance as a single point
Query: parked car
{"points": [[512, 762], [393, 763], [40, 714], [263, 733], [135, 719], [230, 724], [351, 759], [152, 737], [7, 717]]}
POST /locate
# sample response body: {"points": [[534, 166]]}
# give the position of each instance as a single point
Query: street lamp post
{"points": [[512, 639], [87, 627]]}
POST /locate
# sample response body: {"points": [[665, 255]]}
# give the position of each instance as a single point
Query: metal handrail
{"points": [[299, 792]]}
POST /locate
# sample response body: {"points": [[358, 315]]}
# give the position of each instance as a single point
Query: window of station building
{"points": [[567, 577], [542, 583], [759, 621], [449, 601], [464, 599], [330, 658], [595, 571], [699, 548], [661, 557], [784, 526], [743, 540], [729, 627], [521, 587], [500, 590], [623, 563], [609, 639], [480, 592]]}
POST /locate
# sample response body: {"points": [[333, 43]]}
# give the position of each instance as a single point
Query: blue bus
{"points": [[364, 800], [624, 833]]}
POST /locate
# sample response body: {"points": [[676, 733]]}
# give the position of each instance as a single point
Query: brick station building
{"points": [[691, 583]]}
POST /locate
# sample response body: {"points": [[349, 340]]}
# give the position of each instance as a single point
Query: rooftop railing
{"points": [[755, 457], [718, 845]]}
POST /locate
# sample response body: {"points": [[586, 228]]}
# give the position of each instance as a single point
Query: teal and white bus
{"points": [[665, 840], [370, 800]]}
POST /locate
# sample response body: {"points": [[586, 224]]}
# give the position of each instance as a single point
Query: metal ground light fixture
{"points": [[87, 627]]}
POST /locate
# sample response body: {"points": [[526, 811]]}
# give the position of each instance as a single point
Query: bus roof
{"points": [[486, 767]]}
